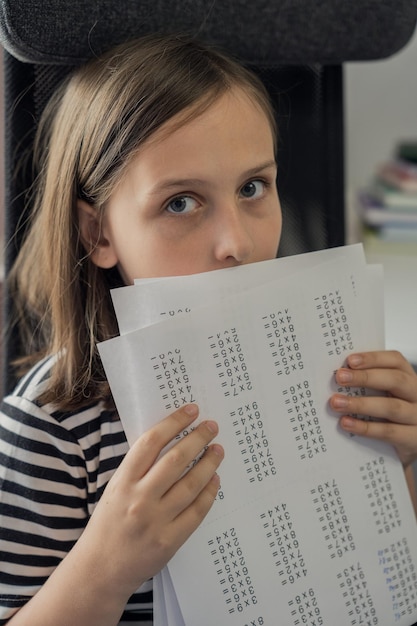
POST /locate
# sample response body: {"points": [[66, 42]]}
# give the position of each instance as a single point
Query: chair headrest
{"points": [[262, 32]]}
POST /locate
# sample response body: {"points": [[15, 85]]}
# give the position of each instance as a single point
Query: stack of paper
{"points": [[310, 526]]}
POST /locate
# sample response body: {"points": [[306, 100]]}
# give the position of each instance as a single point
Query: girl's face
{"points": [[198, 197]]}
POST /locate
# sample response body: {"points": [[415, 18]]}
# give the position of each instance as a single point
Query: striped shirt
{"points": [[54, 467]]}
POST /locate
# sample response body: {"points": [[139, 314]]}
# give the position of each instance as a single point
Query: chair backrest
{"points": [[297, 48]]}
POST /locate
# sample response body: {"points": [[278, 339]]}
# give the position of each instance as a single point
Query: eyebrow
{"points": [[172, 183]]}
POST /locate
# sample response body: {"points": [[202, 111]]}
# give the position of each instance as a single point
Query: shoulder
{"points": [[53, 469], [85, 427], [33, 383], [78, 450]]}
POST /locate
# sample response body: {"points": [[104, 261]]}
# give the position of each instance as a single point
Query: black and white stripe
{"points": [[54, 467]]}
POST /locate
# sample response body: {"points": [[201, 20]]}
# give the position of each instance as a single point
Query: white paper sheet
{"points": [[158, 299], [310, 526], [166, 608]]}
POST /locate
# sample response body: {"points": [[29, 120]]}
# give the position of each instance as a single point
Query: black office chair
{"points": [[297, 48]]}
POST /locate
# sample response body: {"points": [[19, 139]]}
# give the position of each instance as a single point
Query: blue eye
{"points": [[253, 189], [181, 204]]}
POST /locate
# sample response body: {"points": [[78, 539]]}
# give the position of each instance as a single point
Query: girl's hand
{"points": [[384, 371], [150, 507]]}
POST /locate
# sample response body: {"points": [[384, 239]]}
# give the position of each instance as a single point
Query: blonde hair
{"points": [[90, 130]]}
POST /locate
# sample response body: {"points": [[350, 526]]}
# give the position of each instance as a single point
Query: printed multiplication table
{"points": [[234, 578], [230, 362], [400, 577], [334, 323], [356, 595], [305, 609], [283, 342], [310, 526], [173, 378], [381, 498], [253, 442], [304, 419], [333, 519], [281, 536]]}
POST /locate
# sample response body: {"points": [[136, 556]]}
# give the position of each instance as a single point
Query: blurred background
{"points": [[380, 118], [380, 112]]}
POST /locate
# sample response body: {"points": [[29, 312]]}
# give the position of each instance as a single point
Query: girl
{"points": [[156, 159]]}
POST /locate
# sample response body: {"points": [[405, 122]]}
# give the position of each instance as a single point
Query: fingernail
{"points": [[191, 410], [212, 426], [216, 479], [348, 423], [340, 402], [355, 359], [344, 376], [218, 450]]}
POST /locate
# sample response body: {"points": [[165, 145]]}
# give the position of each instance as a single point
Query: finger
{"points": [[389, 359], [190, 518], [148, 446], [186, 490], [384, 431], [388, 408], [403, 438], [169, 469], [396, 381]]}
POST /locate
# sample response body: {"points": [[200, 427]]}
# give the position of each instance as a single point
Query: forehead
{"points": [[231, 136], [231, 110]]}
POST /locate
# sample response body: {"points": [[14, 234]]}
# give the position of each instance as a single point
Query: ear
{"points": [[97, 245]]}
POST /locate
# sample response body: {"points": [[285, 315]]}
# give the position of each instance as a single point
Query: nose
{"points": [[234, 241]]}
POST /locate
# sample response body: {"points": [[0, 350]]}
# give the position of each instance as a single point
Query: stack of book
{"points": [[388, 206]]}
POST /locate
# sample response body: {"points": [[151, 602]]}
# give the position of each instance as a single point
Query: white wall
{"points": [[381, 109]]}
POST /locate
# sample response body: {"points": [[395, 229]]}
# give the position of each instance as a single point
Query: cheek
{"points": [[158, 256], [277, 230], [272, 230], [137, 256], [278, 223]]}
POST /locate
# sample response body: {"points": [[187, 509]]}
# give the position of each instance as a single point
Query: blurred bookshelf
{"points": [[386, 208]]}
